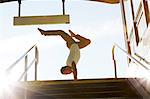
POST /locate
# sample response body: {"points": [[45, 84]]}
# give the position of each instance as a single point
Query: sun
{"points": [[5, 83]]}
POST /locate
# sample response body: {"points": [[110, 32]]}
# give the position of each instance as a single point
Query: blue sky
{"points": [[99, 22]]}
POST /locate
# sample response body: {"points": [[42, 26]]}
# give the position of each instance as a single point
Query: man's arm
{"points": [[74, 70]]}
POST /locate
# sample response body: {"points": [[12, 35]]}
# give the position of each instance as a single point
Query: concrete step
{"points": [[85, 88]]}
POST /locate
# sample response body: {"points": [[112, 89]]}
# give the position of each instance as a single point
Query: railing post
{"points": [[36, 61], [25, 68], [113, 57], [25, 77]]}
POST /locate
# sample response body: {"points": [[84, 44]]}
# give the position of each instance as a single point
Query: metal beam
{"points": [[105, 1], [108, 1], [5, 1], [35, 20]]}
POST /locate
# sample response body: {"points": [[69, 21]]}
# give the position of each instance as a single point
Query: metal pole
{"points": [[25, 69], [134, 24], [115, 68], [19, 9], [63, 4], [25, 78], [146, 11], [36, 62], [113, 57], [127, 42]]}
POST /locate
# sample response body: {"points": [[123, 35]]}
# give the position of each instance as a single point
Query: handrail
{"points": [[11, 66], [27, 67], [143, 59], [131, 57]]}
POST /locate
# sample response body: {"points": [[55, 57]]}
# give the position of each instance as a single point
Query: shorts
{"points": [[74, 54]]}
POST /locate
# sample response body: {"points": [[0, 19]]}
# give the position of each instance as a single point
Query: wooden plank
{"points": [[35, 20]]}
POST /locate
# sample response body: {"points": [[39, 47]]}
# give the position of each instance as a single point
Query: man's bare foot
{"points": [[72, 34], [42, 31]]}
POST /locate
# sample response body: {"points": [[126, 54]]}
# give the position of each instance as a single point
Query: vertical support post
{"points": [[25, 77], [63, 5], [25, 69], [146, 11], [36, 61], [19, 9], [127, 42], [134, 24], [113, 57]]}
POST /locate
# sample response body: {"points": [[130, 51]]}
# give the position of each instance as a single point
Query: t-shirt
{"points": [[74, 54]]}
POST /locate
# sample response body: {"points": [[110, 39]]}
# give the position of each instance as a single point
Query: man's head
{"points": [[66, 70]]}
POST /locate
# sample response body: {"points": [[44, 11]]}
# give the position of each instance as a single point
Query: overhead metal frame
{"points": [[35, 20]]}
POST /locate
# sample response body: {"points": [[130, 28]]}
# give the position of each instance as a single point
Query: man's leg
{"points": [[61, 33], [83, 41]]}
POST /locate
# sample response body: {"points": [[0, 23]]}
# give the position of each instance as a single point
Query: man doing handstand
{"points": [[74, 47]]}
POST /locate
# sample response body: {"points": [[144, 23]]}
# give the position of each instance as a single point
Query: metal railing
{"points": [[129, 56], [143, 59], [27, 67], [113, 57]]}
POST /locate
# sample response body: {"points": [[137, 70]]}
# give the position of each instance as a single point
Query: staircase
{"points": [[86, 88]]}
